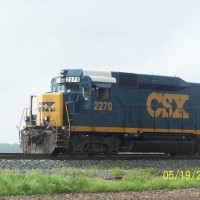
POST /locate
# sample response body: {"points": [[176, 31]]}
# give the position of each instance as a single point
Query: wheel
{"points": [[56, 152], [90, 154], [106, 150]]}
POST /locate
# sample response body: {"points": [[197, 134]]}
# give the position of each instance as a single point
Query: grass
{"points": [[116, 172], [90, 180]]}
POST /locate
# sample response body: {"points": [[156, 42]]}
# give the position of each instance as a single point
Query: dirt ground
{"points": [[181, 194]]}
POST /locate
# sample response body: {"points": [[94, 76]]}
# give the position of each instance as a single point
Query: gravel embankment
{"points": [[51, 166], [185, 194]]}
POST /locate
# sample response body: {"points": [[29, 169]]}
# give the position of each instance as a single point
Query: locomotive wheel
{"points": [[106, 151], [90, 153], [70, 149], [56, 152]]}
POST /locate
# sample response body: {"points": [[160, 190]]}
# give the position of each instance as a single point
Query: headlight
{"points": [[62, 75], [26, 118], [46, 118]]}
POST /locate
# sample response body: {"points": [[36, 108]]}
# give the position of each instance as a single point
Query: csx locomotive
{"points": [[92, 112]]}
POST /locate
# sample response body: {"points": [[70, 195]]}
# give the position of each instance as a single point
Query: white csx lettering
{"points": [[167, 110]]}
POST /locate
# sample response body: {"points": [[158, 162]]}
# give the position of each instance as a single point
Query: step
{"points": [[61, 146], [60, 140]]}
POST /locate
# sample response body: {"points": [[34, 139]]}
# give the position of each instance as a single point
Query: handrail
{"points": [[68, 117], [55, 119], [18, 127], [77, 98]]}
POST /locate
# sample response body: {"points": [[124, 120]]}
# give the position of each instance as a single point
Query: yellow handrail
{"points": [[68, 117], [55, 119]]}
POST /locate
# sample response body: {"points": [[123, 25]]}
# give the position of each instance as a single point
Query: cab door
{"points": [[102, 105], [85, 96]]}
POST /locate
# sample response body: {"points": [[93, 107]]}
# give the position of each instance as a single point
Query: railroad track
{"points": [[135, 156]]}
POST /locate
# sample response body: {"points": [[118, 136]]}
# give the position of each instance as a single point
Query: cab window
{"points": [[72, 87], [53, 88], [60, 88], [103, 93], [85, 91], [69, 87]]}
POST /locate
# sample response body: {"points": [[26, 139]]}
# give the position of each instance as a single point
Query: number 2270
{"points": [[102, 105]]}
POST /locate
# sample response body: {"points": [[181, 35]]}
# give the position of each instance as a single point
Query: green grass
{"points": [[116, 172], [90, 180]]}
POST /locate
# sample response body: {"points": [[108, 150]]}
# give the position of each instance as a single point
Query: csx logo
{"points": [[167, 105], [46, 106]]}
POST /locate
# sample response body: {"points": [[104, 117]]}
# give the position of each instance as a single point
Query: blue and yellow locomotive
{"points": [[110, 112]]}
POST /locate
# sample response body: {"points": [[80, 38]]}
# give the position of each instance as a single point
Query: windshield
{"points": [[68, 87]]}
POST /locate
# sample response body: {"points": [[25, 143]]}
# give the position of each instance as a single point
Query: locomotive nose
{"points": [[50, 109]]}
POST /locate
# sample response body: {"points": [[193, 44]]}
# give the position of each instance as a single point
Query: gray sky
{"points": [[38, 38]]}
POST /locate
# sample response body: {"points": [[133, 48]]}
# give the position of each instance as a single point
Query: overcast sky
{"points": [[38, 38]]}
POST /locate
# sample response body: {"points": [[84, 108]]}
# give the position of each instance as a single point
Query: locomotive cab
{"points": [[54, 119]]}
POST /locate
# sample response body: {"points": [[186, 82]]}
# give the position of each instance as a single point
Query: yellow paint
{"points": [[51, 105], [166, 110], [130, 130]]}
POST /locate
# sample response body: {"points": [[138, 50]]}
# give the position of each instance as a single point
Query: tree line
{"points": [[10, 148]]}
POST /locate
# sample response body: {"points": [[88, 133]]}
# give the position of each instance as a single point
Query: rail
{"points": [[122, 156]]}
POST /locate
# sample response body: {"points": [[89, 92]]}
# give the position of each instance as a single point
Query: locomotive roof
{"points": [[143, 81], [96, 76], [100, 76], [128, 79]]}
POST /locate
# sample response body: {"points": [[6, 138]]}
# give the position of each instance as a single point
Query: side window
{"points": [[86, 91], [53, 88], [103, 93], [60, 88]]}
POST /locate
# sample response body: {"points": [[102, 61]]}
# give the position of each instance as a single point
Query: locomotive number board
{"points": [[73, 79]]}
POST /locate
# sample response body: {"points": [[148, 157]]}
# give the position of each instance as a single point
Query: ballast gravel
{"points": [[53, 166], [184, 194]]}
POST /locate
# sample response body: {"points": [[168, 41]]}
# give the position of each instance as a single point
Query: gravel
{"points": [[53, 166], [184, 194]]}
